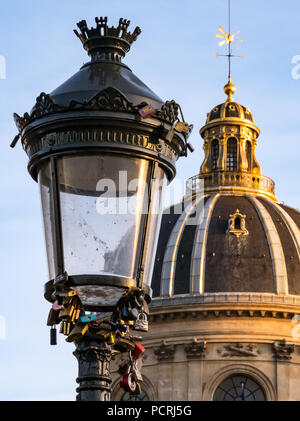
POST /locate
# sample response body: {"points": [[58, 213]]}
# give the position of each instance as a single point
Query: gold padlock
{"points": [[124, 345], [182, 126], [52, 318], [104, 334], [111, 339], [66, 312], [77, 333], [65, 327]]}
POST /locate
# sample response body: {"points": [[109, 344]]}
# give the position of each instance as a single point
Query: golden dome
{"points": [[230, 109]]}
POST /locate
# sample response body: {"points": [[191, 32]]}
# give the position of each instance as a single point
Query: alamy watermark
{"points": [[122, 196], [2, 67], [2, 328], [296, 69]]}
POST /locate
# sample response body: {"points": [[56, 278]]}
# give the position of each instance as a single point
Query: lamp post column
{"points": [[94, 378]]}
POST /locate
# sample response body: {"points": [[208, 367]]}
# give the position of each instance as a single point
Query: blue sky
{"points": [[176, 57]]}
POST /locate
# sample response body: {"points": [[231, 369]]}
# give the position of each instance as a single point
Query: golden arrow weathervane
{"points": [[228, 39]]}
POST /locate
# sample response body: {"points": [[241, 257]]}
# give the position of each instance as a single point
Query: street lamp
{"points": [[101, 146]]}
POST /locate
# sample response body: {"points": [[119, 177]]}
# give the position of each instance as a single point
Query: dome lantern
{"points": [[230, 139]]}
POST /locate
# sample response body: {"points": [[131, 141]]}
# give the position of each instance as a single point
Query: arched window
{"points": [[237, 223], [135, 398], [214, 154], [249, 155], [231, 164], [239, 388]]}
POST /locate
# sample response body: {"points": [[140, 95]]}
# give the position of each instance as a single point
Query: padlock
{"points": [[104, 334], [137, 391], [124, 368], [124, 345], [88, 318], [66, 293], [110, 339], [120, 328], [136, 373], [77, 313], [141, 323], [128, 382], [73, 318], [65, 327], [182, 127], [77, 333], [146, 111], [53, 335], [67, 312], [52, 317], [138, 351]]}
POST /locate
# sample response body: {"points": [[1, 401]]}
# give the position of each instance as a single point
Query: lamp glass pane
{"points": [[44, 183], [103, 199], [154, 221]]}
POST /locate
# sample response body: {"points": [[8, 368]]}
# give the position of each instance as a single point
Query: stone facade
{"points": [[192, 347]]}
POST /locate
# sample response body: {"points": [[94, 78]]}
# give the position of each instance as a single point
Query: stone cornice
{"points": [[225, 305], [226, 297]]}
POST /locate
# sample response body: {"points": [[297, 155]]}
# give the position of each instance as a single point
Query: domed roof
{"points": [[229, 109], [94, 77], [228, 243]]}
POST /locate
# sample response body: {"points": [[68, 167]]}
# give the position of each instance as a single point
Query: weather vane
{"points": [[228, 39]]}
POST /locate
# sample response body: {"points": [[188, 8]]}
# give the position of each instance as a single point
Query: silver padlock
{"points": [[141, 323], [136, 373]]}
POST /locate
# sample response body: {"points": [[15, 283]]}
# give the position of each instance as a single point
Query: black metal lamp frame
{"points": [[107, 123]]}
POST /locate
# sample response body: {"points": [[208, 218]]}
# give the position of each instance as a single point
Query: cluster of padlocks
{"points": [[131, 313]]}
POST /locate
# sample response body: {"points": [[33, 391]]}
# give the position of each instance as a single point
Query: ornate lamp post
{"points": [[101, 146]]}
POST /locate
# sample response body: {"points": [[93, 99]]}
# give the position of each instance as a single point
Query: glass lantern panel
{"points": [[155, 215], [44, 183], [103, 201]]}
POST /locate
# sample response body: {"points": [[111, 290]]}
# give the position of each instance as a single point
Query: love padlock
{"points": [[77, 333], [182, 126], [88, 318], [138, 351], [141, 323], [128, 383], [136, 373], [124, 345]]}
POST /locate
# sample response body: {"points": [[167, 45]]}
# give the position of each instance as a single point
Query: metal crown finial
{"points": [[107, 41]]}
